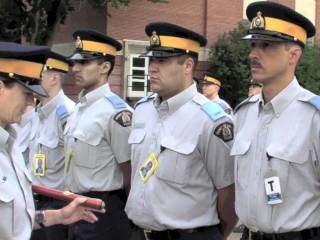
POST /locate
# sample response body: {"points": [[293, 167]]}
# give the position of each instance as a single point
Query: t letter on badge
{"points": [[273, 190]]}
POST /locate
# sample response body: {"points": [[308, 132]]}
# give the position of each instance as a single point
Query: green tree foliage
{"points": [[230, 63], [308, 70], [31, 21]]}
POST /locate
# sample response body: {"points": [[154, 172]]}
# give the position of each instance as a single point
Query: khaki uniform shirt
{"points": [[193, 161], [23, 130], [16, 200], [280, 138], [47, 138], [97, 134]]}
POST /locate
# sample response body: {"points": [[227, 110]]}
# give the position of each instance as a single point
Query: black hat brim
{"points": [[36, 88], [160, 54]]}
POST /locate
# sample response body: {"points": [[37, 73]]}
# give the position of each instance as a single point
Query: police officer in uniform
{"points": [[254, 88], [96, 136], [210, 88], [276, 147], [20, 70], [47, 142], [182, 183]]}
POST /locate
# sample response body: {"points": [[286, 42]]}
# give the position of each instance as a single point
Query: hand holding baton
{"points": [[93, 203]]}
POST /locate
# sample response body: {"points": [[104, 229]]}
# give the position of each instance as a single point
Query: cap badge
{"points": [[78, 43], [258, 22], [154, 39]]}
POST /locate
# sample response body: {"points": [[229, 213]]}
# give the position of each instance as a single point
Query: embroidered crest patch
{"points": [[123, 118], [224, 131]]}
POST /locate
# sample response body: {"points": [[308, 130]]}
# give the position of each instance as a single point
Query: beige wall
{"points": [[307, 8]]}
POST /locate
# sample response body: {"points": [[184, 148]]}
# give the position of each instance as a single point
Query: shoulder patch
{"points": [[116, 101], [214, 110], [315, 101], [224, 131], [62, 112], [124, 118], [251, 99], [143, 100]]}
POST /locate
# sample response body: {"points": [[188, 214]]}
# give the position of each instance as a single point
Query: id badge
{"points": [[67, 159], [273, 190], [39, 165], [149, 167]]}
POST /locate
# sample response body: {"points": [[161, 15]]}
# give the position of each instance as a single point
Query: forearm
{"points": [[226, 210], [126, 172], [52, 217]]}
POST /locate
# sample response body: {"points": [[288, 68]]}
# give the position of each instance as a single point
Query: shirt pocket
{"points": [[6, 211], [282, 158], [53, 151], [136, 137], [86, 147], [242, 163], [174, 160]]}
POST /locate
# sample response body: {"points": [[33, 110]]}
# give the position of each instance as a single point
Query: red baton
{"points": [[94, 203]]}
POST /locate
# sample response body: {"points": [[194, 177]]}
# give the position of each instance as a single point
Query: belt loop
{"points": [[146, 234]]}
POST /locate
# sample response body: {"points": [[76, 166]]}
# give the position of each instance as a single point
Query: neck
{"points": [[213, 96], [101, 81], [274, 87], [52, 93]]}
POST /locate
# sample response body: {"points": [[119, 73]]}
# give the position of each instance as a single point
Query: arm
{"points": [[226, 211], [126, 172], [72, 213]]}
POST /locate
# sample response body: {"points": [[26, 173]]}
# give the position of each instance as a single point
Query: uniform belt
{"points": [[104, 194], [41, 198], [173, 233], [303, 235]]}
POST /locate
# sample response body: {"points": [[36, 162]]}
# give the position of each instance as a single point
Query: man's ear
{"points": [[105, 67], [189, 64], [2, 86], [295, 55]]}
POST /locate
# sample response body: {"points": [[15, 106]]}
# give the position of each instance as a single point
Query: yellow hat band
{"points": [[291, 29], [21, 67], [180, 43], [212, 80], [57, 64], [98, 47]]}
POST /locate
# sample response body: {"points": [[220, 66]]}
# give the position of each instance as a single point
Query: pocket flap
{"points": [[176, 145], [288, 154], [92, 137], [136, 136], [240, 147], [6, 197]]}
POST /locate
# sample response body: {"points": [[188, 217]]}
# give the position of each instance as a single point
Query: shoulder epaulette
{"points": [[62, 112], [144, 99], [116, 101], [212, 109], [251, 99], [315, 101]]}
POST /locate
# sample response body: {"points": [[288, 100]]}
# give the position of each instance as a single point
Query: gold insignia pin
{"points": [[258, 22], [154, 39], [79, 43]]}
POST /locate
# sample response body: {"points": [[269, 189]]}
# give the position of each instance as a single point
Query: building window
{"points": [[138, 77]]}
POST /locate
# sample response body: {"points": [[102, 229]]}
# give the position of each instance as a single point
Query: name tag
{"points": [[39, 165], [149, 167], [273, 190]]}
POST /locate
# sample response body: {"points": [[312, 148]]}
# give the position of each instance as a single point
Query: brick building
{"points": [[210, 18]]}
